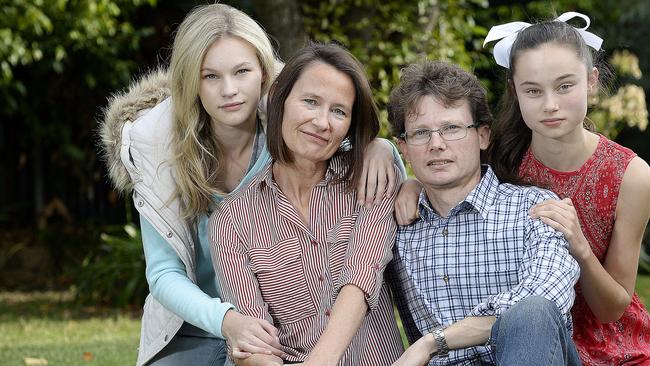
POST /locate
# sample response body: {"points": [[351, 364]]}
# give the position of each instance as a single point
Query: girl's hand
{"points": [[378, 175], [247, 335], [418, 354], [562, 216], [406, 203]]}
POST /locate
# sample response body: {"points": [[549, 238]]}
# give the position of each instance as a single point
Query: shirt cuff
{"points": [[484, 309], [368, 278], [221, 309]]}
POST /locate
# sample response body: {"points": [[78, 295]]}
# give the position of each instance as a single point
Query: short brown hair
{"points": [[364, 124], [446, 82]]}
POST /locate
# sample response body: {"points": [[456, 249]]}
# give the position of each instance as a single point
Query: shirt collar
{"points": [[335, 169], [481, 198]]}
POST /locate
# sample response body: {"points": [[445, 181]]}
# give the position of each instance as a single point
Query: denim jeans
{"points": [[191, 350], [533, 332]]}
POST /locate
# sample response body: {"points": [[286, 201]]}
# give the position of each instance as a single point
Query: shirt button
{"points": [[445, 232], [446, 279], [140, 203], [314, 243], [320, 278], [327, 313], [169, 234]]}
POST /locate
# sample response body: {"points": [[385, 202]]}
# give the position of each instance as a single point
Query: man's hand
{"points": [[419, 353]]}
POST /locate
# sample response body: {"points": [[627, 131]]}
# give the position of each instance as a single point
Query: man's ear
{"points": [[483, 136], [401, 145]]}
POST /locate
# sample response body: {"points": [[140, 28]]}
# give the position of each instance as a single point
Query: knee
{"points": [[533, 311]]}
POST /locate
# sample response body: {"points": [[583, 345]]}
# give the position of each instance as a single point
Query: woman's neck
{"points": [[236, 143], [235, 139], [567, 154], [297, 180]]}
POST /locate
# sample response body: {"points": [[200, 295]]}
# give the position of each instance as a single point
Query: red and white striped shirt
{"points": [[272, 266]]}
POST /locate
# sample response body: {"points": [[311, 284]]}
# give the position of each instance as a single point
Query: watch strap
{"points": [[441, 341]]}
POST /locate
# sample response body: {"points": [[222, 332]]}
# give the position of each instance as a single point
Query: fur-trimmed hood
{"points": [[142, 95]]}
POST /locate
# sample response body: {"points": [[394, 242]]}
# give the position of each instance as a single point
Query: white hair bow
{"points": [[508, 32]]}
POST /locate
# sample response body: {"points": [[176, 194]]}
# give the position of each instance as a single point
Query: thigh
{"points": [[189, 350]]}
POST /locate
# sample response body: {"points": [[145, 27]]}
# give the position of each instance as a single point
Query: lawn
{"points": [[46, 329]]}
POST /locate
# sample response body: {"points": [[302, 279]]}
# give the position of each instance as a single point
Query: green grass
{"points": [[49, 327]]}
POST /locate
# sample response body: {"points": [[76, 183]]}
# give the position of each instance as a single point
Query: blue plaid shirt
{"points": [[480, 260]]}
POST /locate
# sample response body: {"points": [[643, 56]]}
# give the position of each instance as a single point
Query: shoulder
{"points": [[244, 198], [155, 124], [123, 107], [612, 157], [524, 194], [143, 94], [615, 147], [636, 180]]}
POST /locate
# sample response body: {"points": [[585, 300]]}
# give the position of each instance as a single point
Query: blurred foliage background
{"points": [[62, 224]]}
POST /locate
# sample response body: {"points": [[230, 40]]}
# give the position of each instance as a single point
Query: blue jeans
{"points": [[533, 332], [191, 350]]}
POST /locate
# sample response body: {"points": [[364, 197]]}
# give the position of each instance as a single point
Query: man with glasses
{"points": [[476, 280]]}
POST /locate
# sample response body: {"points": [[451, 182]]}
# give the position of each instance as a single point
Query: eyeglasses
{"points": [[422, 136]]}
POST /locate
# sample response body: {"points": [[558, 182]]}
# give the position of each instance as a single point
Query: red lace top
{"points": [[594, 191]]}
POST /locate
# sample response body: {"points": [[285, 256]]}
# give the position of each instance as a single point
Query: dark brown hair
{"points": [[364, 124], [510, 137], [446, 82]]}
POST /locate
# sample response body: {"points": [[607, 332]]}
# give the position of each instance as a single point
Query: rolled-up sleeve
{"points": [[547, 270], [369, 250]]}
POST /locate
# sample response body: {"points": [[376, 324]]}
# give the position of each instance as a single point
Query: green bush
{"points": [[115, 274]]}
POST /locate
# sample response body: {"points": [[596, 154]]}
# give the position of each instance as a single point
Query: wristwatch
{"points": [[441, 342]]}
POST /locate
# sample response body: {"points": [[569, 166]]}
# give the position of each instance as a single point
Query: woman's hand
{"points": [[260, 360], [406, 203], [562, 216], [378, 175], [418, 354], [247, 335]]}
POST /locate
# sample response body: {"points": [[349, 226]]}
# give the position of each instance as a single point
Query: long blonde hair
{"points": [[198, 153]]}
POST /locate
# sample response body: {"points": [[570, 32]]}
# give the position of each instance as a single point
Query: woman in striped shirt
{"points": [[294, 246]]}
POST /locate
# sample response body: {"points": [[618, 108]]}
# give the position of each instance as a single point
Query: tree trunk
{"points": [[283, 22]]}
